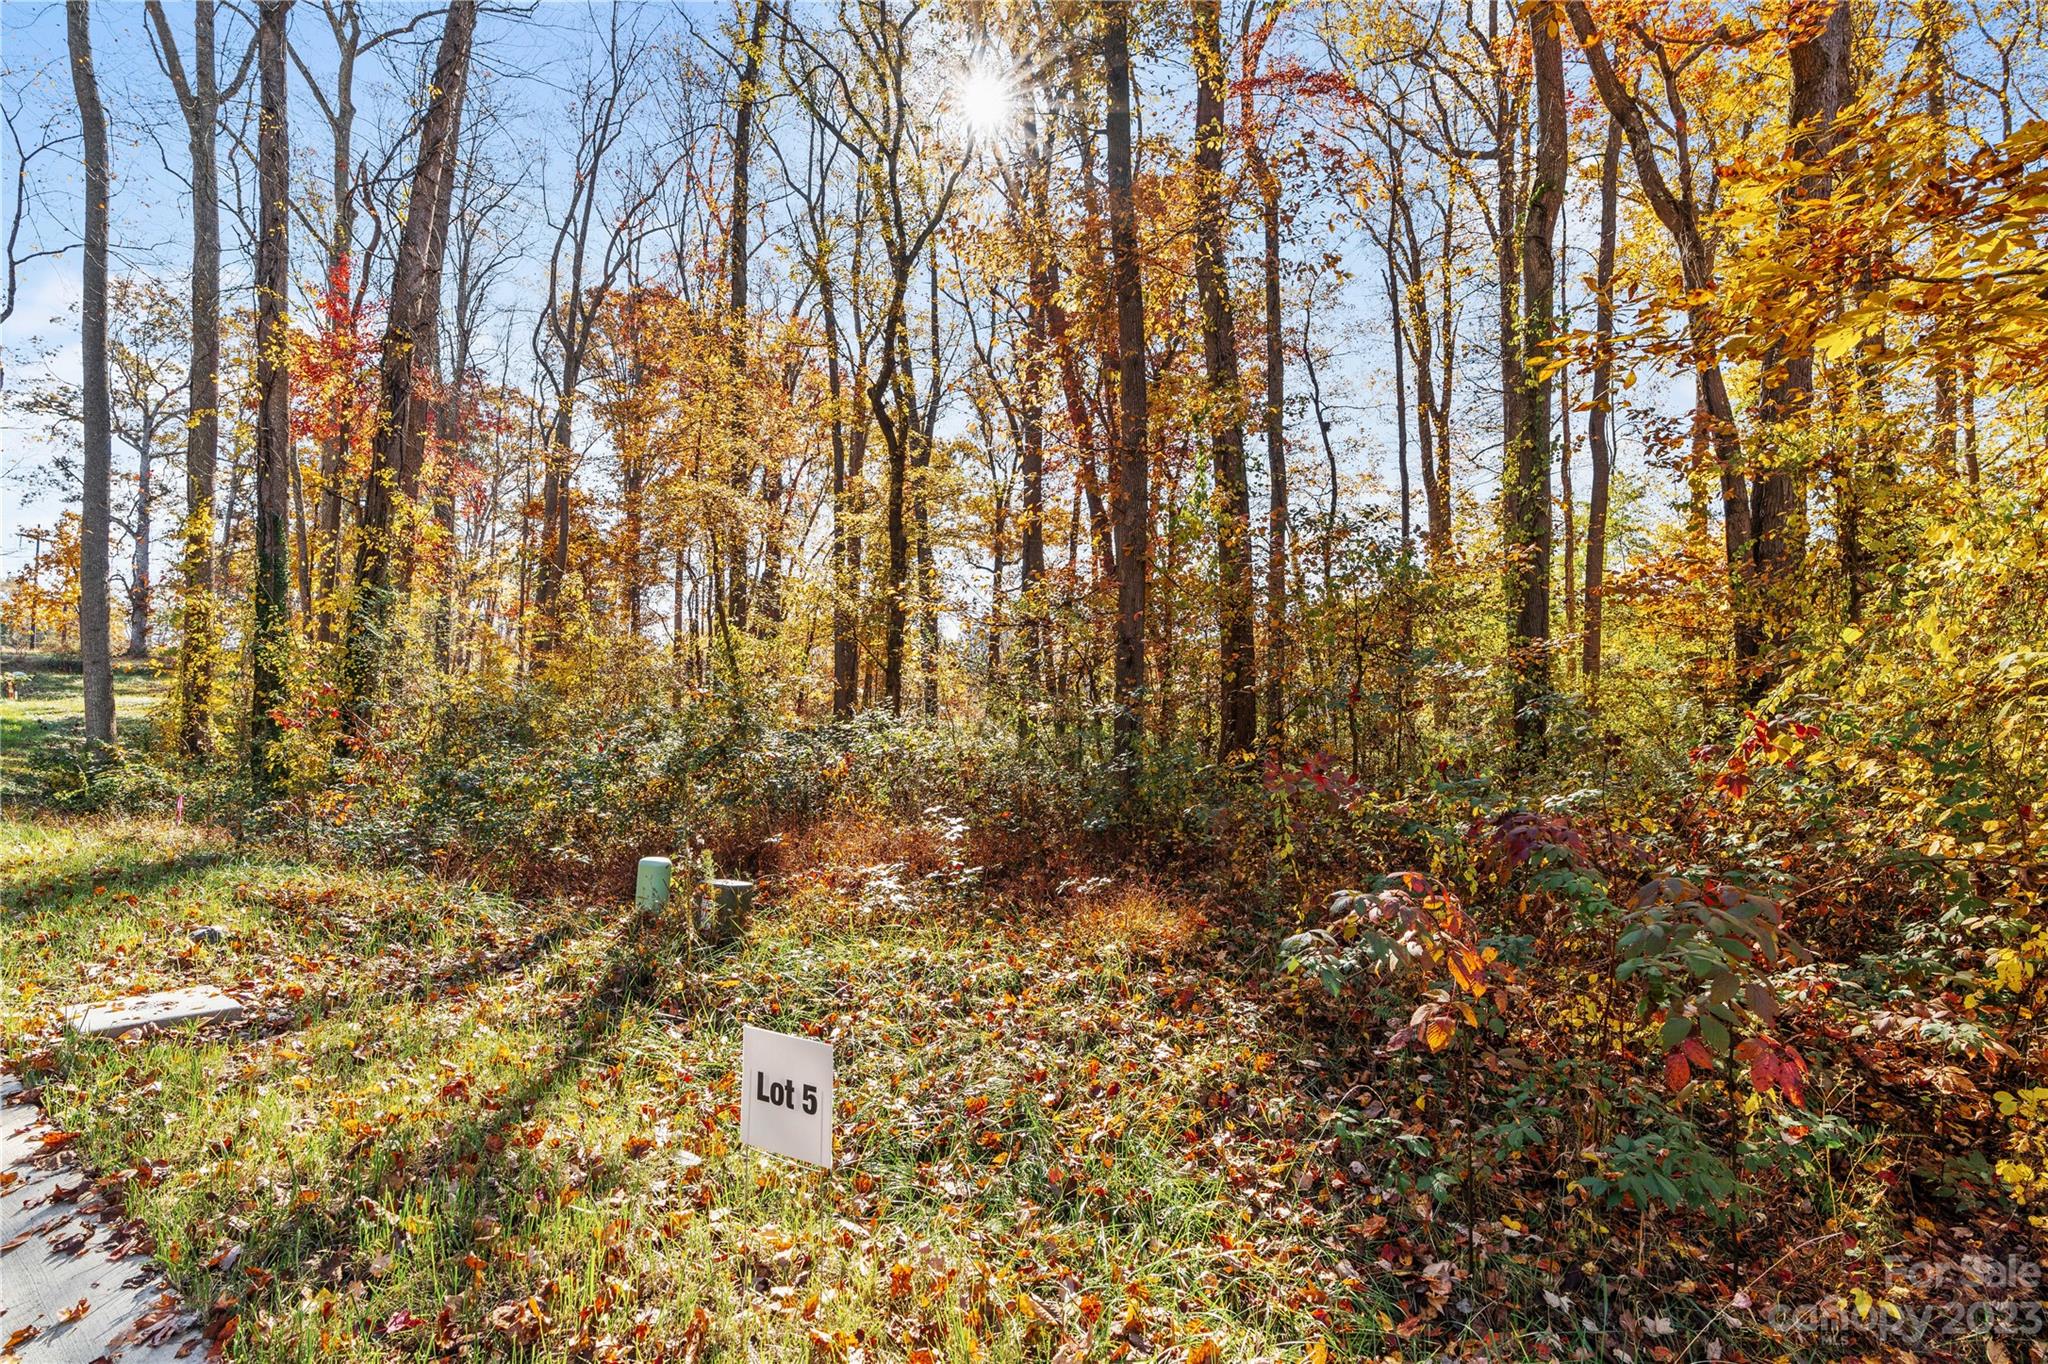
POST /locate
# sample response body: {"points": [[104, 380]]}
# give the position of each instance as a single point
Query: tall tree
{"points": [[96, 508], [146, 338], [1030, 204], [1133, 498], [200, 99], [870, 110], [1600, 417], [1238, 716], [589, 251], [408, 337], [1820, 56], [271, 637], [1676, 202], [745, 100], [1529, 518], [1273, 412], [347, 283], [820, 252]]}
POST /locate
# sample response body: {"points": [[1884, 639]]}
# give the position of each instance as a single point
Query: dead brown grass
{"points": [[814, 869], [1136, 916]]}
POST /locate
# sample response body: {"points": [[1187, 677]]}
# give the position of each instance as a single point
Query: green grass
{"points": [[458, 1123], [48, 711]]}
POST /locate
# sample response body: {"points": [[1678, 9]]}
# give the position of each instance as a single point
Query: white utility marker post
{"points": [[731, 903], [650, 889], [786, 1095]]}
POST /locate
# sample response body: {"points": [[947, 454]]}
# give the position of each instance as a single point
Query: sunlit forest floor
{"points": [[1079, 1118], [457, 1116]]}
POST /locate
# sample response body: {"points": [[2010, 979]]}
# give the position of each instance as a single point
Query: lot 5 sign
{"points": [[786, 1095]]}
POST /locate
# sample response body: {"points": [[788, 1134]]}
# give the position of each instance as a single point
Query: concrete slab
{"points": [[66, 1252], [167, 1009]]}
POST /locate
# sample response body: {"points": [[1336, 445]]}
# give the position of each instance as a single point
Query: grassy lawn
{"points": [[49, 707], [456, 1124]]}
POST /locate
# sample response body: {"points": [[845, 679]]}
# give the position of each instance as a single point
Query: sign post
{"points": [[786, 1095]]}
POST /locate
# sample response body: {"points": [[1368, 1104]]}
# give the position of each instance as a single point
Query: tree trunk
{"points": [[199, 100], [1530, 523], [1276, 474], [1133, 510], [555, 491], [845, 585], [421, 416], [271, 637], [1394, 292], [1034, 222], [1507, 267], [341, 282], [94, 646], [845, 544], [138, 567], [927, 568], [1820, 56], [1680, 214], [1432, 421], [1931, 56], [448, 438], [1600, 424], [416, 273], [893, 417], [736, 292], [1238, 711]]}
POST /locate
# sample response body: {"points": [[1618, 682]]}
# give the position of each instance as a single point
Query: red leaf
{"points": [[402, 1321], [1774, 1065], [1677, 1070]]}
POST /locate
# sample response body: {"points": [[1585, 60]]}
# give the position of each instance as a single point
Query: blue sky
{"points": [[528, 64]]}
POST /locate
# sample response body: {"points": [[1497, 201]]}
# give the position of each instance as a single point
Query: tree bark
{"points": [[1133, 510], [1529, 507], [1432, 416], [889, 401], [199, 100], [1034, 224], [95, 397], [270, 640], [845, 545], [1238, 711], [737, 594], [1394, 292], [1507, 272], [1276, 472], [139, 586], [1600, 423], [414, 310], [1820, 56]]}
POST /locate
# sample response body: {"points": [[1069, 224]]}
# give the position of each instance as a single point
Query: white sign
{"points": [[786, 1095]]}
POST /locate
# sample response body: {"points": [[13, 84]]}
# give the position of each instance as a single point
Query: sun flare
{"points": [[985, 101]]}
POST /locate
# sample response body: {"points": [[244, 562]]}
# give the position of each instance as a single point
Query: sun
{"points": [[985, 101]]}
